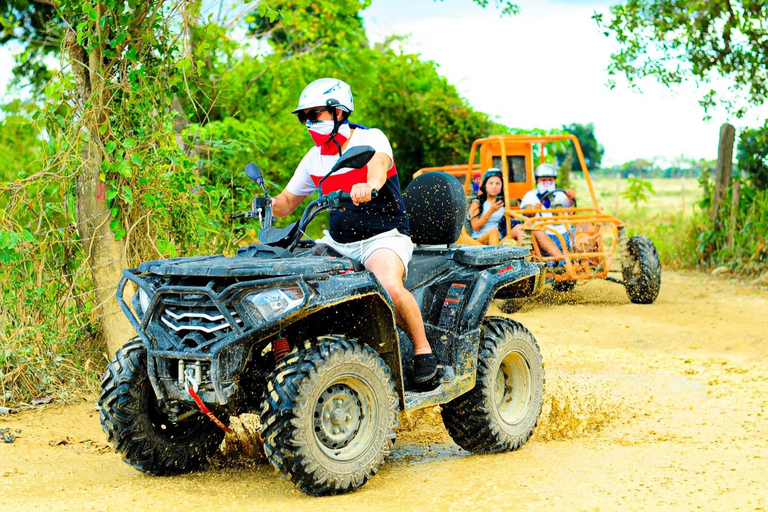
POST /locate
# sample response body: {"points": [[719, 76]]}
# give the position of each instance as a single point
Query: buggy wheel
{"points": [[138, 428], [330, 415], [641, 270], [501, 412]]}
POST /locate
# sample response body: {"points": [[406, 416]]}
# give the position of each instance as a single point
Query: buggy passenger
{"points": [[546, 196], [486, 213]]}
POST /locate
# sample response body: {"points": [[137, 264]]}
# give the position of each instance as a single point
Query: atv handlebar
{"points": [[354, 158]]}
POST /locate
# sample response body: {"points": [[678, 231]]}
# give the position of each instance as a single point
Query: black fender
{"points": [[513, 279]]}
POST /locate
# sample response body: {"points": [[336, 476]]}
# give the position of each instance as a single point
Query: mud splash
{"points": [[575, 406]]}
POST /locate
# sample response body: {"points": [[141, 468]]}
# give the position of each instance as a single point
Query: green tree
{"points": [[678, 40], [751, 156], [593, 150]]}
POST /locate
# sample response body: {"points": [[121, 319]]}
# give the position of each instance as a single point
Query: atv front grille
{"points": [[193, 321]]}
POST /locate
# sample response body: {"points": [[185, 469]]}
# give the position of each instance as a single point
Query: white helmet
{"points": [[545, 171], [326, 92]]}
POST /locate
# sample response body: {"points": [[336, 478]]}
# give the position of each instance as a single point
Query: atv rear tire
{"points": [[139, 430], [642, 270], [502, 410], [330, 415]]}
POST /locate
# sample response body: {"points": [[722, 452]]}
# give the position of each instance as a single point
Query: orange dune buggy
{"points": [[598, 237]]}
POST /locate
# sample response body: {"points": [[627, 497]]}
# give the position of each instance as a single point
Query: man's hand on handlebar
{"points": [[361, 193]]}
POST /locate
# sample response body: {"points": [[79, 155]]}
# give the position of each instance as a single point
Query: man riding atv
{"points": [[374, 230]]}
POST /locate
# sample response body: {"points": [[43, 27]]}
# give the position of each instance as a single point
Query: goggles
{"points": [[310, 116]]}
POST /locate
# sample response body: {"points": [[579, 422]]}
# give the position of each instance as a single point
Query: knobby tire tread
{"points": [[646, 287], [129, 429], [470, 419], [282, 415]]}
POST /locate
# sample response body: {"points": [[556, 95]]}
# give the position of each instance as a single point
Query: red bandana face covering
{"points": [[321, 135]]}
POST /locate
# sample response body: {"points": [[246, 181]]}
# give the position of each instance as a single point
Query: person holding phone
{"points": [[486, 212]]}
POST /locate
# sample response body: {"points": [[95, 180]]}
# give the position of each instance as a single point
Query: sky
{"points": [[547, 67]]}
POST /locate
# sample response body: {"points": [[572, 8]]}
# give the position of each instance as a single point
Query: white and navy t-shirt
{"points": [[354, 223], [532, 197]]}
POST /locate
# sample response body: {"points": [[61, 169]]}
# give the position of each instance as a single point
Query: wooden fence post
{"points": [[723, 168]]}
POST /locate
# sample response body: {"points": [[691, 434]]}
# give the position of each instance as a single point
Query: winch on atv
{"points": [[307, 339]]}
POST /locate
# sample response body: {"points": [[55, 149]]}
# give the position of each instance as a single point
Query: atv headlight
{"points": [[275, 302], [143, 301]]}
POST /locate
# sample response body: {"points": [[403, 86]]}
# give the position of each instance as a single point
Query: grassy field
{"points": [[671, 198]]}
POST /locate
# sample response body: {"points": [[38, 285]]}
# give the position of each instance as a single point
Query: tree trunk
{"points": [[105, 256], [723, 169]]}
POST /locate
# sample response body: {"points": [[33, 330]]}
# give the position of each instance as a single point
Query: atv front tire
{"points": [[502, 410], [330, 415], [139, 430], [641, 270]]}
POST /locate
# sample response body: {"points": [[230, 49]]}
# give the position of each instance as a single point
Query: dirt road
{"points": [[660, 406]]}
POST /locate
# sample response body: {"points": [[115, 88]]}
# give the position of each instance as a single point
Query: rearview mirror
{"points": [[355, 158], [254, 173]]}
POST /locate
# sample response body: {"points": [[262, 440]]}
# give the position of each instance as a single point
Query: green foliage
{"points": [[678, 40], [38, 25], [593, 150], [738, 240], [637, 191], [752, 155]]}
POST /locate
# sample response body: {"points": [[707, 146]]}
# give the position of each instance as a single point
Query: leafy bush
{"points": [[752, 156], [637, 191]]}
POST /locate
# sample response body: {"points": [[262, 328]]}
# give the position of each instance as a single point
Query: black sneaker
{"points": [[424, 371]]}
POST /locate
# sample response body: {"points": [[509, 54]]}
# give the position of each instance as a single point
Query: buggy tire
{"points": [[642, 270], [330, 415], [563, 286], [501, 412], [140, 431]]}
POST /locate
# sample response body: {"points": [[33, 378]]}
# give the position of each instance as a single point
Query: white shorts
{"points": [[360, 251]]}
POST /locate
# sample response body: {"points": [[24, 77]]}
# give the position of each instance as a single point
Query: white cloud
{"points": [[547, 67]]}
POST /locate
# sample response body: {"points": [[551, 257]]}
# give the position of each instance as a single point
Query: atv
{"points": [[307, 339]]}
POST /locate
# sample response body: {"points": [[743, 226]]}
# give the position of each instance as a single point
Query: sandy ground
{"points": [[648, 407]]}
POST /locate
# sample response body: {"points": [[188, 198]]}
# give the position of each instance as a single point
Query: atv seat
{"points": [[486, 256], [436, 207]]}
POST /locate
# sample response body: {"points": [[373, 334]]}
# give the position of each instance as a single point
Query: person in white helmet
{"points": [[540, 198], [372, 231]]}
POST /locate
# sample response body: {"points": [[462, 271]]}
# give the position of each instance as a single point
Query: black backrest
{"points": [[436, 208]]}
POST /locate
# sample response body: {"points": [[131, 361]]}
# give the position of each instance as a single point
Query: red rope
{"points": [[207, 412]]}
